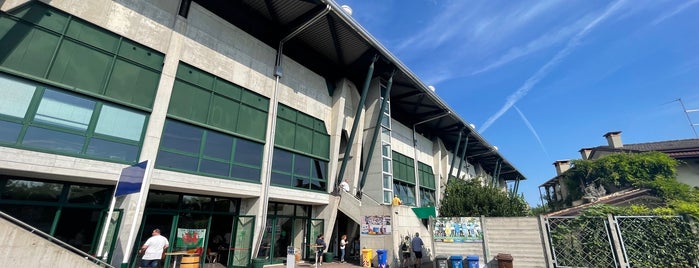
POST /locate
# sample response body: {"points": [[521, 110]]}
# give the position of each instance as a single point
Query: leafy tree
{"points": [[471, 199]]}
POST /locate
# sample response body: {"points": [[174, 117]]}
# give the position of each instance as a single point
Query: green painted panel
{"points": [[25, 49], [224, 113], [92, 35], [133, 84], [255, 100], [227, 89], [320, 127], [286, 113], [305, 120], [189, 102], [43, 16], [321, 145], [304, 139], [149, 57], [284, 135], [195, 76], [252, 122], [80, 66]]}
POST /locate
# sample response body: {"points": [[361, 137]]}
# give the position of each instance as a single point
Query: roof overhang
{"points": [[336, 46]]}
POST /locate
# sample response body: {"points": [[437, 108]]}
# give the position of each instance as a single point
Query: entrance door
{"points": [[163, 221], [244, 232]]}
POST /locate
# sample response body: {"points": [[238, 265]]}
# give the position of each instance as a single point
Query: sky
{"points": [[543, 79]]}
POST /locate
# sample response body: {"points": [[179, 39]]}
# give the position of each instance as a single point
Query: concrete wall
{"points": [[521, 237], [21, 248]]}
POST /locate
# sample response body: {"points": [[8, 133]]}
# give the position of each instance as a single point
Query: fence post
{"points": [[486, 251], [544, 231], [614, 234]]}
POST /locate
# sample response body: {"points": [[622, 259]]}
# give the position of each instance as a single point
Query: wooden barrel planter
{"points": [[190, 262]]}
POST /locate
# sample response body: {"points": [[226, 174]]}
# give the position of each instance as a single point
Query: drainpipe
{"points": [[456, 151], [415, 162], [377, 130], [273, 118], [362, 99]]}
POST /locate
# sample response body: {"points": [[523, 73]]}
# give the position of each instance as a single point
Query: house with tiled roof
{"points": [[685, 151]]}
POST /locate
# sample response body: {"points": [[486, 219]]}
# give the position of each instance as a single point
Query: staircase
{"points": [[518, 236], [350, 205]]}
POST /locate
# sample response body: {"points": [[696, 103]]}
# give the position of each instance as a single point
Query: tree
{"points": [[471, 199]]}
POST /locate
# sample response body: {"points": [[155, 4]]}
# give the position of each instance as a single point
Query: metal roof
{"points": [[336, 46]]}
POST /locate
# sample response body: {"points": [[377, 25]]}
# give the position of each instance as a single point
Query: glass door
{"points": [[244, 231], [163, 221]]}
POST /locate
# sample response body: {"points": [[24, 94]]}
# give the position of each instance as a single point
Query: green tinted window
{"points": [[426, 176], [54, 120], [41, 41], [403, 168], [212, 101], [301, 132], [298, 171], [192, 149]]}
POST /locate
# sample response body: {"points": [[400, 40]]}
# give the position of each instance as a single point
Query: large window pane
{"points": [[246, 173], [319, 169], [218, 145], [89, 194], [282, 160], [53, 140], [302, 166], [112, 150], [64, 110], [280, 179], [178, 161], [31, 190], [120, 123], [16, 96], [183, 137], [248, 152], [39, 217], [9, 131], [214, 167]]}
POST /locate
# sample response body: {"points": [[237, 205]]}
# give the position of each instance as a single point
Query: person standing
{"points": [[343, 243], [320, 244], [405, 250], [153, 249], [417, 244], [396, 201]]}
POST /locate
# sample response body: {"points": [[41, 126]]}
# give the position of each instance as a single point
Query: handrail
{"points": [[50, 238]]}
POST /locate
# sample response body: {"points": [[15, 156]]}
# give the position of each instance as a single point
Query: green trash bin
{"points": [[258, 263], [328, 256]]}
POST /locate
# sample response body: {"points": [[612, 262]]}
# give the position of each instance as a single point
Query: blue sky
{"points": [[543, 79]]}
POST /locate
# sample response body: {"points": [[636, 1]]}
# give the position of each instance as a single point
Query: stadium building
{"points": [[245, 116]]}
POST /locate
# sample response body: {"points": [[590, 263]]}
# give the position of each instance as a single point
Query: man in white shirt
{"points": [[153, 249]]}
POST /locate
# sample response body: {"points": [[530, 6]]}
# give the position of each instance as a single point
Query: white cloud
{"points": [[546, 68], [673, 12]]}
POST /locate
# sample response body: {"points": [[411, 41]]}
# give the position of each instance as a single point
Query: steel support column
{"points": [[456, 151], [362, 99], [377, 130], [463, 158]]}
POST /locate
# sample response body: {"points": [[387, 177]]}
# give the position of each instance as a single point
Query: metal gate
{"points": [[580, 242], [622, 241]]}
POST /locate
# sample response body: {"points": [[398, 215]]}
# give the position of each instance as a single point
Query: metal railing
{"points": [[52, 239]]}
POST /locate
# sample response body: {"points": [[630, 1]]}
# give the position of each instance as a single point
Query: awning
{"points": [[425, 212]]}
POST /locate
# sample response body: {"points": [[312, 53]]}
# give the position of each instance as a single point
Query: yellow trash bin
{"points": [[366, 257]]}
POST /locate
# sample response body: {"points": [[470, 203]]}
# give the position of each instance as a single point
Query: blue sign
{"points": [[131, 179]]}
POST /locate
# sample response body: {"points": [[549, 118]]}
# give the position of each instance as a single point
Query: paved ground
{"points": [[335, 264]]}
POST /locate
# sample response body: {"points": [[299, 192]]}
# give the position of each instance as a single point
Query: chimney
{"points": [[561, 166], [585, 153], [614, 139]]}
